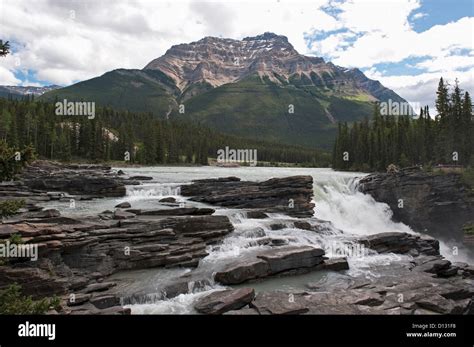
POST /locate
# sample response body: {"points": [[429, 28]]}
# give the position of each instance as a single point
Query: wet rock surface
{"points": [[78, 257], [75, 255], [401, 243], [438, 204], [289, 195], [419, 293], [272, 262], [226, 300]]}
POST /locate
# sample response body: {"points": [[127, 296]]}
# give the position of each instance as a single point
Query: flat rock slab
{"points": [[243, 271], [184, 211], [289, 258], [120, 214], [402, 243], [224, 300], [336, 264], [271, 262], [290, 195], [279, 303]]}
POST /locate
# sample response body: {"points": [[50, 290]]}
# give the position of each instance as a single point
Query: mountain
{"points": [[17, 92], [244, 87]]}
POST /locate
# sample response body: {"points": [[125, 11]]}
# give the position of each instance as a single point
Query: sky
{"points": [[405, 44]]}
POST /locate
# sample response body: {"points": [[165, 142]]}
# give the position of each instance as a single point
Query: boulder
{"points": [[78, 299], [175, 289], [289, 258], [168, 200], [225, 300], [105, 301], [243, 271], [256, 215], [124, 204], [271, 262], [303, 225], [336, 264]]}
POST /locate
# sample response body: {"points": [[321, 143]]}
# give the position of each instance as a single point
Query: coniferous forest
{"points": [[112, 134], [372, 145], [404, 140]]}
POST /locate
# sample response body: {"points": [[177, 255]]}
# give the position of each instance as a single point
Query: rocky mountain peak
{"points": [[217, 61], [214, 61], [267, 36]]}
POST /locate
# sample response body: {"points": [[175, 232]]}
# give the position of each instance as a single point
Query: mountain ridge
{"points": [[244, 87]]}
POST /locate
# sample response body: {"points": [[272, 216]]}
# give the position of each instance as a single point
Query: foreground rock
{"points": [[401, 243], [406, 288], [224, 300], [74, 256], [290, 195], [278, 303], [92, 180], [272, 262], [44, 181], [439, 204]]}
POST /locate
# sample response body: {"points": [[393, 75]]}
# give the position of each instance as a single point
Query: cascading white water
{"points": [[348, 212], [354, 212], [153, 191]]}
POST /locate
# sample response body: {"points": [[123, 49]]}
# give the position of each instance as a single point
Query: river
{"points": [[337, 201]]}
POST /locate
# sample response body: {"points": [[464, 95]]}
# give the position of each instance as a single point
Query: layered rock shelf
{"points": [[289, 195], [44, 181], [272, 262], [74, 254], [438, 204], [401, 243], [430, 285], [77, 256]]}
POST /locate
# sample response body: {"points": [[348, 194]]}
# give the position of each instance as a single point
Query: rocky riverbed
{"points": [[94, 261]]}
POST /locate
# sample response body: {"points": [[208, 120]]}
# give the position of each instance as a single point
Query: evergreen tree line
{"points": [[112, 134], [407, 141]]}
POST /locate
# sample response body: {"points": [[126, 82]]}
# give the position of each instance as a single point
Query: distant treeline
{"points": [[405, 141], [111, 134]]}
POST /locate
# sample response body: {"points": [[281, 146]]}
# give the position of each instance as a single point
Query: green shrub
{"points": [[12, 301], [10, 207], [16, 239], [9, 165]]}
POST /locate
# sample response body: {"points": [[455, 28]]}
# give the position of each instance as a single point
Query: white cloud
{"points": [[422, 88], [381, 46], [419, 15], [380, 32], [63, 41], [7, 77], [66, 41]]}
